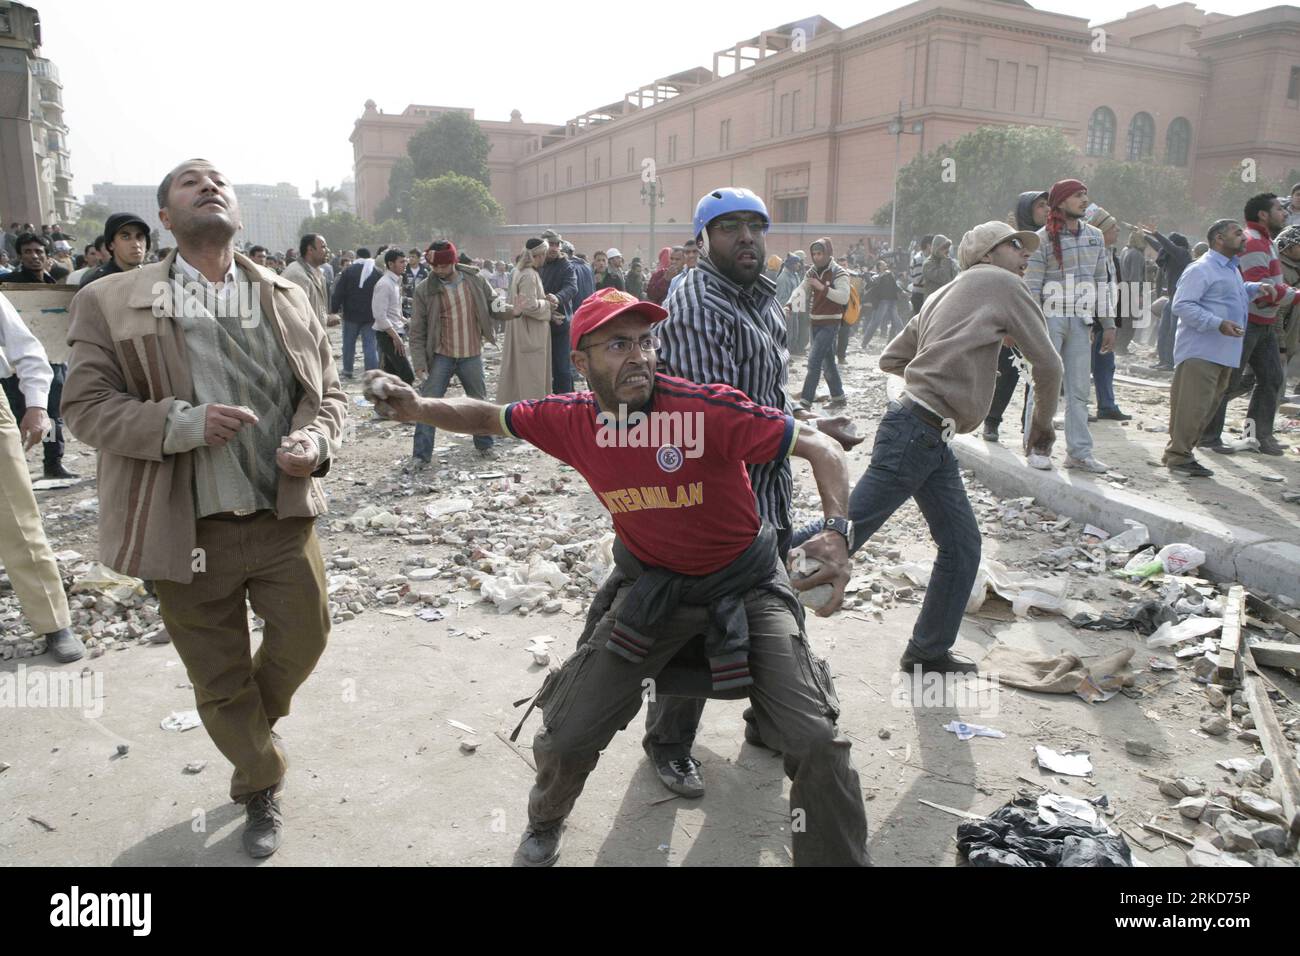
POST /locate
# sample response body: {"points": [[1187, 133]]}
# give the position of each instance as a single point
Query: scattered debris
{"points": [[181, 720], [966, 731], [1072, 764]]}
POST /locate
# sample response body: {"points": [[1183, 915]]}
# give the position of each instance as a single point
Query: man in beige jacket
{"points": [[207, 384]]}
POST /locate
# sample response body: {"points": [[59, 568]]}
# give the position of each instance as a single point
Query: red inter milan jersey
{"points": [[673, 475]]}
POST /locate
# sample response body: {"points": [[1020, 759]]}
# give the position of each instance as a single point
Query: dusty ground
{"points": [[377, 775]]}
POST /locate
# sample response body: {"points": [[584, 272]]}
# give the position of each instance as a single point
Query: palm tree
{"points": [[333, 198]]}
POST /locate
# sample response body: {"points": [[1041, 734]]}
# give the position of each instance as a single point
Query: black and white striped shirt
{"points": [[717, 331]]}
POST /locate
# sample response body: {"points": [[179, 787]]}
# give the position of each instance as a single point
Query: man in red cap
{"points": [[451, 318], [697, 560], [1069, 273]]}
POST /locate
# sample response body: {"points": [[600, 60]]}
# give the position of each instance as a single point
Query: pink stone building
{"points": [[801, 113]]}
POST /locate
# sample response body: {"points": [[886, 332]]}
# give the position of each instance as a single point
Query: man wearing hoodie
{"points": [[1031, 215], [787, 280], [823, 293], [1173, 255], [1069, 274], [939, 269], [353, 298]]}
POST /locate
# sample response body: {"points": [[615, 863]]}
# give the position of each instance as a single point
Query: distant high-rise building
{"points": [[272, 215], [35, 170]]}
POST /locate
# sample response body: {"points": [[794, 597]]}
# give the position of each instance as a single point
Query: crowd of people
{"points": [[215, 423]]}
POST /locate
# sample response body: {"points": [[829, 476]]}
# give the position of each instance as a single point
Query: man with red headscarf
{"points": [[1069, 274], [451, 318], [671, 260]]}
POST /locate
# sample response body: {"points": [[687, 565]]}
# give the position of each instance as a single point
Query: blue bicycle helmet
{"points": [[719, 202]]}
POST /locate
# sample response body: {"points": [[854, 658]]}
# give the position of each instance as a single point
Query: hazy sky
{"points": [[269, 90]]}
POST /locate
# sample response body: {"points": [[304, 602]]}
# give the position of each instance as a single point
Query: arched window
{"points": [[1141, 137], [1101, 132], [1178, 142]]}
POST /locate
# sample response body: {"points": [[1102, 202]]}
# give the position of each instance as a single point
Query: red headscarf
{"points": [[1059, 193]]}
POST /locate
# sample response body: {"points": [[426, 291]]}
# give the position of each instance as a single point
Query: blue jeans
{"points": [[822, 356], [470, 372], [1103, 374], [1165, 336], [561, 367], [369, 347], [910, 459], [885, 315]]}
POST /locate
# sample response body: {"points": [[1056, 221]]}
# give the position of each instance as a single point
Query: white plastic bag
{"points": [[1180, 558]]}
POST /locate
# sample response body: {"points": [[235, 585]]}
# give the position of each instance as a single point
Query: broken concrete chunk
{"points": [[1203, 854], [1269, 836], [1138, 748], [1236, 837], [1215, 726], [1192, 807]]}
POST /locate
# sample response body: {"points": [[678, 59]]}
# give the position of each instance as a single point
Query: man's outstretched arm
{"points": [[396, 400]]}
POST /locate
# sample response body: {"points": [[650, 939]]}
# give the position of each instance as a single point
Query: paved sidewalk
{"points": [[1238, 517]]}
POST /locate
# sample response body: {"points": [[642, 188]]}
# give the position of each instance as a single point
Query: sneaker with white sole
{"points": [[1087, 464], [1041, 462]]}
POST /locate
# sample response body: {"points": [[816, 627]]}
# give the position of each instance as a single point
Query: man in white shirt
{"points": [[23, 547], [389, 326]]}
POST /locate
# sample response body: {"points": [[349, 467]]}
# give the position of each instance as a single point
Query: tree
{"points": [[977, 178], [452, 143], [1142, 192], [90, 223], [342, 230], [453, 205], [333, 198], [397, 204], [1229, 199]]}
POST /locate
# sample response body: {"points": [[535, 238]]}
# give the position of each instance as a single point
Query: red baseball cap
{"points": [[606, 305]]}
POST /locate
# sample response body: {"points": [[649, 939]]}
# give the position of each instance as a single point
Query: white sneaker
{"points": [[1087, 464], [1041, 462]]}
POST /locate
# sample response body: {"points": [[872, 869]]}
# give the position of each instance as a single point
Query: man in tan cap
{"points": [[948, 358]]}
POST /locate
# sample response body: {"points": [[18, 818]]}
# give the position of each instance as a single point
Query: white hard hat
{"points": [[614, 254]]}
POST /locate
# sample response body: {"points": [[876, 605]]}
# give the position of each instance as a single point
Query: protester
{"points": [[1103, 363], [450, 321], [602, 274], [35, 264], [561, 285], [91, 260], [215, 502], [635, 279], [690, 259], [353, 298], [939, 269], [389, 323], [526, 355], [948, 358], [916, 273], [1172, 257], [1260, 351], [671, 260], [126, 241], [796, 320], [28, 559], [882, 299], [305, 272], [1288, 317], [1212, 305], [825, 290], [1068, 246], [1131, 263], [732, 568]]}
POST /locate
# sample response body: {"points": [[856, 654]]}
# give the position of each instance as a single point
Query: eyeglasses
{"points": [[731, 227], [1013, 242], [648, 344]]}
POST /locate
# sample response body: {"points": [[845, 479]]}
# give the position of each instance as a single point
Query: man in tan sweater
{"points": [[948, 358], [207, 385]]}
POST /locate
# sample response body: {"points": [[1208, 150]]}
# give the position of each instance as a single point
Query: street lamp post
{"points": [[652, 194], [897, 131]]}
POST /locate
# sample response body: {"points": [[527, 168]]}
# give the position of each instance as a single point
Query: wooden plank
{"points": [[1167, 834], [1230, 638], [1143, 382], [1286, 775], [1275, 654], [1266, 611], [954, 811], [44, 310]]}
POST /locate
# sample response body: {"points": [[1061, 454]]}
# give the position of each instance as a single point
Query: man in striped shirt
{"points": [[724, 326], [451, 318], [1260, 351]]}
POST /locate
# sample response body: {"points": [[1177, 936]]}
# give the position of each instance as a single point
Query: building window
{"points": [[1101, 132], [568, 175], [596, 171], [631, 158], [724, 136], [1141, 137], [1293, 88], [1178, 142], [794, 209], [672, 148], [546, 182]]}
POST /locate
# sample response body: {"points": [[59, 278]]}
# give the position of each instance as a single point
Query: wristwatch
{"points": [[843, 525]]}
